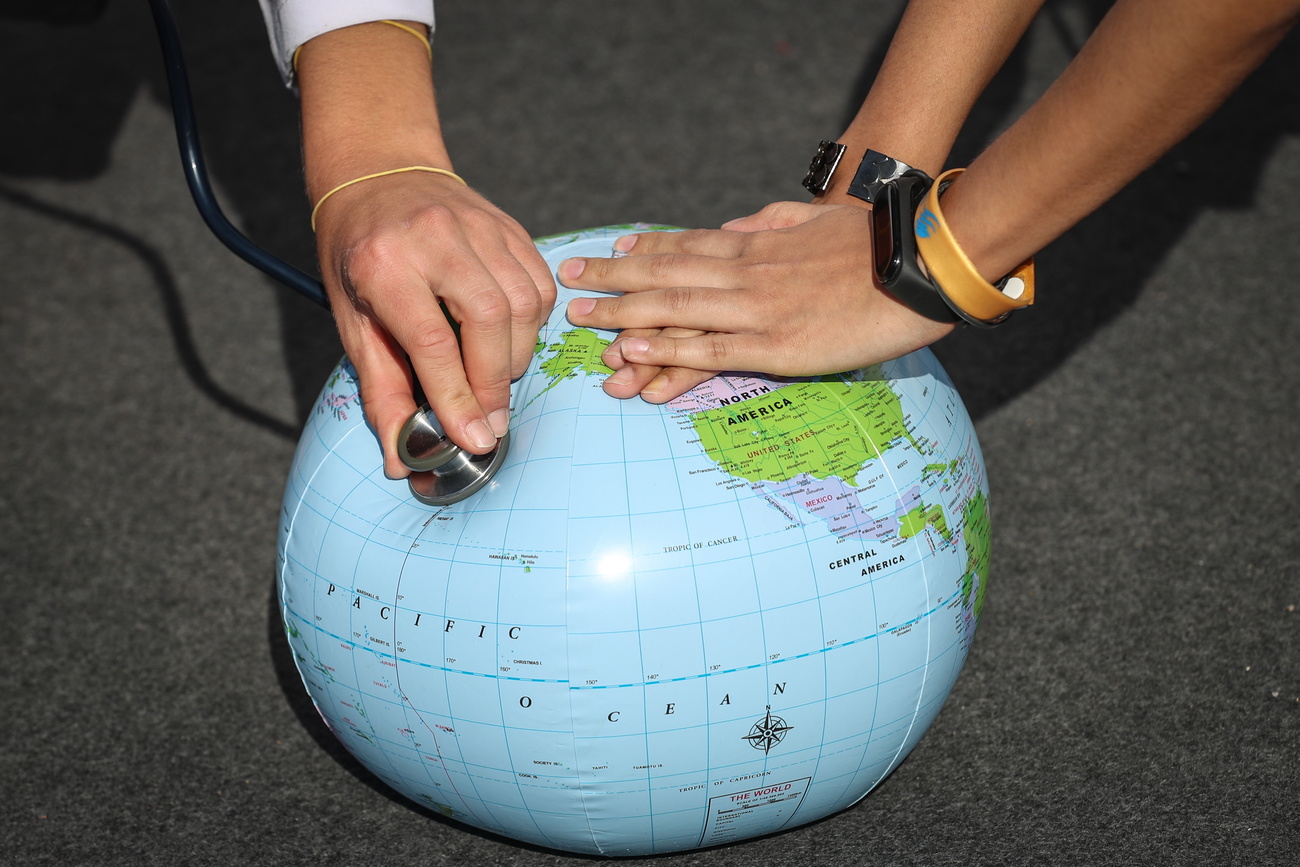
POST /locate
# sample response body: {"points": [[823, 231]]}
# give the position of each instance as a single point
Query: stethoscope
{"points": [[443, 472]]}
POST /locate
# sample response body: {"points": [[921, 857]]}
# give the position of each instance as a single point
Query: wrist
{"points": [[325, 172], [908, 139], [386, 173], [982, 232]]}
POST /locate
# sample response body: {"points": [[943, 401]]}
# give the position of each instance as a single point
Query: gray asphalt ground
{"points": [[1134, 693]]}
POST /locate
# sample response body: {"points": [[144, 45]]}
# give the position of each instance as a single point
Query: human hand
{"points": [[788, 291], [394, 252], [654, 383]]}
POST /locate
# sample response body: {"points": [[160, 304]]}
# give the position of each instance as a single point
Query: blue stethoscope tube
{"points": [[196, 175]]}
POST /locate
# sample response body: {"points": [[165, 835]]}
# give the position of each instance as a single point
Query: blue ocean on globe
{"points": [[657, 628]]}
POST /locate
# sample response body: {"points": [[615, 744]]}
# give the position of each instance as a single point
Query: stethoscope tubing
{"points": [[195, 170]]}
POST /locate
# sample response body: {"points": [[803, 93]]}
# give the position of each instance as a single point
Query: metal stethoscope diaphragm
{"points": [[442, 472]]}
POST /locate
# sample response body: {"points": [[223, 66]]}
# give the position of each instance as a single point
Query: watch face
{"points": [[886, 246]]}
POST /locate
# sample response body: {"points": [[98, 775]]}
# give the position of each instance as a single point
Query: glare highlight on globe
{"points": [[658, 627]]}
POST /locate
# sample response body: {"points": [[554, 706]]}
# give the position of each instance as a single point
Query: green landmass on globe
{"points": [[823, 427], [975, 521], [577, 351]]}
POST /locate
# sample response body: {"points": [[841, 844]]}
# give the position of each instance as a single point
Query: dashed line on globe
{"points": [[579, 686]]}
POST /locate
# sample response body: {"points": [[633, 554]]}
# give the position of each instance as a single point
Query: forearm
{"points": [[787, 290], [941, 58], [1152, 71], [368, 105]]}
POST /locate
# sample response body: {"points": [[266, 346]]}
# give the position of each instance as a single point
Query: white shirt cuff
{"points": [[290, 23]]}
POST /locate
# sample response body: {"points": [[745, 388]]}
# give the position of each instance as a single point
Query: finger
{"points": [[613, 358], [711, 351], [528, 315], [777, 215], [654, 271], [495, 300], [660, 385], [673, 382], [517, 272], [385, 380], [418, 325], [491, 297], [391, 292], [697, 242], [628, 380], [481, 360], [654, 384], [487, 272], [680, 306]]}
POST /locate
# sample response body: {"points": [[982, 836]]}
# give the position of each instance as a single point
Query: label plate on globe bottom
{"points": [[748, 812]]}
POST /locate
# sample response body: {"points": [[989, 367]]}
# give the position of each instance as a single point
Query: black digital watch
{"points": [[894, 247]]}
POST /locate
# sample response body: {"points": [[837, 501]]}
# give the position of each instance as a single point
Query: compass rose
{"points": [[767, 732]]}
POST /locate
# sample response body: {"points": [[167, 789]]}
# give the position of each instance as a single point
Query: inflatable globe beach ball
{"points": [[655, 628]]}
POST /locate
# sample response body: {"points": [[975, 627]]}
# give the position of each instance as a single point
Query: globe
{"points": [[656, 628]]}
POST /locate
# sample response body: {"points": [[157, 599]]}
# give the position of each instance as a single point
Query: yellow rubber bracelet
{"points": [[974, 298], [347, 184], [428, 46]]}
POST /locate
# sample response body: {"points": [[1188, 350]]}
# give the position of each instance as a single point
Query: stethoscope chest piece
{"points": [[442, 472]]}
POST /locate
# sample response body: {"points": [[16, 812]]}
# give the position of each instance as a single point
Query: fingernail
{"points": [[654, 387], [571, 269], [621, 377], [478, 433], [635, 346], [499, 421], [581, 306], [625, 244]]}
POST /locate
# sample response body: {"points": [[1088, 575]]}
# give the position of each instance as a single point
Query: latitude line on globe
{"points": [[575, 686]]}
